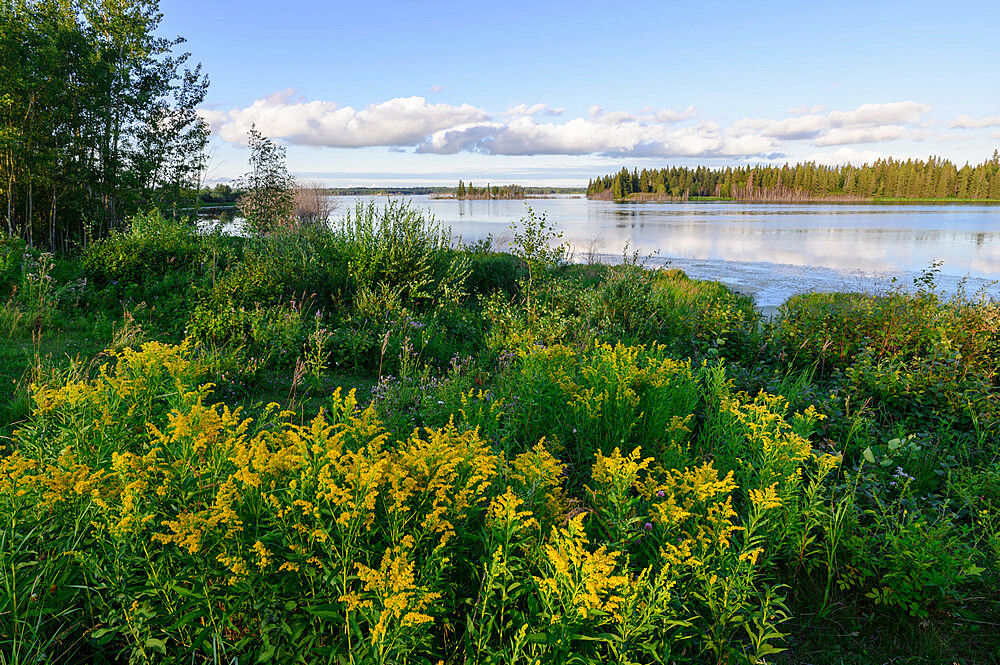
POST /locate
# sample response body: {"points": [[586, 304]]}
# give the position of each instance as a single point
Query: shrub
{"points": [[693, 318], [832, 329], [11, 250], [925, 393], [606, 397], [494, 272], [153, 247], [398, 250]]}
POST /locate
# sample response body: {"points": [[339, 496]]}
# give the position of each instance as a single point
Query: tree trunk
{"points": [[27, 218], [52, 223], [10, 205]]}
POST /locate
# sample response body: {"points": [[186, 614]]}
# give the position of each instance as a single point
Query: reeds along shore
{"points": [[368, 444]]}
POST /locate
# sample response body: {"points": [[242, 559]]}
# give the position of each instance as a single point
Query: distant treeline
{"points": [[465, 191], [470, 191], [934, 178], [219, 194], [392, 191]]}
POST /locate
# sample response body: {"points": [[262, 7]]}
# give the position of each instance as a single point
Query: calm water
{"points": [[769, 251]]}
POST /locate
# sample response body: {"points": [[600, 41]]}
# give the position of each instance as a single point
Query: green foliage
{"points": [[832, 329], [397, 254], [535, 243], [694, 318], [153, 247], [98, 118], [885, 179], [494, 272], [267, 203], [272, 335], [909, 561], [604, 398], [583, 464], [11, 250], [926, 393]]}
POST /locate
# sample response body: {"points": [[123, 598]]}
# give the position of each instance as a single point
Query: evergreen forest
{"points": [[886, 179]]}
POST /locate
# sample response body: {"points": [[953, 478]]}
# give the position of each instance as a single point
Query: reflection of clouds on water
{"points": [[769, 250], [988, 265]]}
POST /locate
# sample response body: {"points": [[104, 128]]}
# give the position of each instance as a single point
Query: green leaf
{"points": [[158, 644], [328, 611], [185, 620], [868, 455]]}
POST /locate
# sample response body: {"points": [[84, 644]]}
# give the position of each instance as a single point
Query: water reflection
{"points": [[815, 245]]}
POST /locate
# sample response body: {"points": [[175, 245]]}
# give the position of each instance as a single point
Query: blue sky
{"points": [[555, 92]]}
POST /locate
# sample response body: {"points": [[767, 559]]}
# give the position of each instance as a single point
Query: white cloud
{"points": [[968, 122], [412, 123], [524, 109], [869, 123], [849, 135], [847, 156], [579, 136], [670, 116], [805, 109], [214, 117], [437, 88], [802, 127], [402, 121], [880, 114]]}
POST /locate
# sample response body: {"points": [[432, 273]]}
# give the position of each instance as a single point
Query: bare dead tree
{"points": [[312, 204]]}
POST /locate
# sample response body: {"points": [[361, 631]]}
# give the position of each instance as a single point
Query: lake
{"points": [[769, 251]]}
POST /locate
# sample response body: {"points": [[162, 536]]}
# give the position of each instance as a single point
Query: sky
{"points": [[554, 93]]}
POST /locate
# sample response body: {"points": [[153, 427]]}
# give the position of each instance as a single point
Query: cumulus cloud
{"points": [[413, 123], [214, 117], [802, 127], [524, 109], [869, 123], [847, 156], [805, 109], [968, 122], [853, 135], [397, 122], [880, 114], [627, 136]]}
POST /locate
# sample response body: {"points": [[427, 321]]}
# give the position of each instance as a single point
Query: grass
{"points": [[473, 438]]}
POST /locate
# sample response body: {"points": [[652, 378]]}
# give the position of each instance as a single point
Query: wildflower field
{"points": [[375, 444]]}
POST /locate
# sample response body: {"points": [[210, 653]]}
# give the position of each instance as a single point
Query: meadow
{"points": [[372, 443]]}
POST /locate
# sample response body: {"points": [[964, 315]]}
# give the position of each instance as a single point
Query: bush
{"points": [[494, 272], [398, 250], [604, 398], [11, 250], [832, 329], [694, 318], [153, 247]]}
